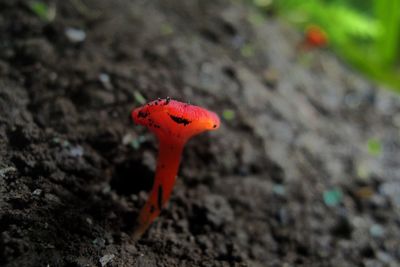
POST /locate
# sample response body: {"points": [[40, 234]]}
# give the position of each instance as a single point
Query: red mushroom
{"points": [[315, 37], [174, 123]]}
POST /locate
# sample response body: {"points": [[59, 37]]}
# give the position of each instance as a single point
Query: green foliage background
{"points": [[366, 33]]}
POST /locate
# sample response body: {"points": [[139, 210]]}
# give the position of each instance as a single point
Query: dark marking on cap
{"points": [[180, 120], [214, 126], [160, 197], [143, 114]]}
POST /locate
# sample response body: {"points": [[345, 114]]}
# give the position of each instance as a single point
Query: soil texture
{"points": [[302, 172]]}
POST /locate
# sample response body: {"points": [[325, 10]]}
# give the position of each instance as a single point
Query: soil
{"points": [[288, 180]]}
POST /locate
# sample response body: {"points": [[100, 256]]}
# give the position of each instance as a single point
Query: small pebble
{"points": [[106, 259], [99, 242], [75, 35], [52, 198], [238, 41], [135, 143], [270, 77], [376, 230], [278, 190], [76, 151], [37, 192], [105, 80], [128, 139], [353, 101], [333, 197], [378, 201], [365, 192], [283, 216], [106, 189], [65, 143], [89, 221], [391, 190], [6, 170], [131, 249], [384, 257]]}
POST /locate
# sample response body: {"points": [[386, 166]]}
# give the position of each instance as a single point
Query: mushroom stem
{"points": [[169, 156]]}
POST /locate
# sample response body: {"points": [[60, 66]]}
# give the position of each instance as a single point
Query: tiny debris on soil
{"points": [[106, 259], [288, 180]]}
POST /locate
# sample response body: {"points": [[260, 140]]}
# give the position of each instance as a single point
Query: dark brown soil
{"points": [[286, 181]]}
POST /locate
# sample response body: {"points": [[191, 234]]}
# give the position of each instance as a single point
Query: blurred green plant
{"points": [[374, 146], [228, 114], [365, 33], [42, 10], [139, 97]]}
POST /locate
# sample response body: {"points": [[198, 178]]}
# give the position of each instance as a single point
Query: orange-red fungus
{"points": [[174, 123], [315, 37]]}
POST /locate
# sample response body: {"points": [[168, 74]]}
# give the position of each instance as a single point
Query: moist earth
{"points": [[302, 172]]}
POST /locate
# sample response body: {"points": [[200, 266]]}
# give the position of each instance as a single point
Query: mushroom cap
{"points": [[316, 36], [174, 121]]}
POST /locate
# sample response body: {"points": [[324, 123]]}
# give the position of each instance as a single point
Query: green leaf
{"points": [[228, 114], [365, 33], [247, 50], [139, 97], [374, 147], [166, 29], [42, 10]]}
